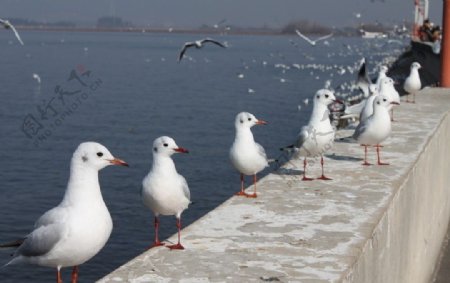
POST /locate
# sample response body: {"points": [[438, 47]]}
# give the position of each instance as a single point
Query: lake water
{"points": [[126, 89]]}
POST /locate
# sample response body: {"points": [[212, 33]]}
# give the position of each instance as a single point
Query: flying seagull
{"points": [[198, 44], [7, 25], [313, 42]]}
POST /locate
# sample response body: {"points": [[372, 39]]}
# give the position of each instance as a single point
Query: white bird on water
{"points": [[198, 44], [78, 228], [310, 41], [317, 137], [375, 129], [412, 83], [37, 78], [247, 156], [165, 191], [7, 25]]}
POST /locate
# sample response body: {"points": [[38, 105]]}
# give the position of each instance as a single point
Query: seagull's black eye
{"points": [[99, 154], [384, 99], [326, 95], [249, 119], [166, 145], [155, 149], [318, 96], [378, 102], [242, 121]]}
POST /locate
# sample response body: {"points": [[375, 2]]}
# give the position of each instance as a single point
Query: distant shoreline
{"points": [[155, 30]]}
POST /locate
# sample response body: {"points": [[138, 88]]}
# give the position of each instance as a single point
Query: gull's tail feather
{"points": [[287, 148], [13, 244]]}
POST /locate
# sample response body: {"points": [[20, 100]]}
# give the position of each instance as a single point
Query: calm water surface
{"points": [[126, 89]]}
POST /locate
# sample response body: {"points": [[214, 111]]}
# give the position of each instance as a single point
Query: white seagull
{"points": [[387, 89], [37, 78], [412, 83], [317, 137], [247, 156], [381, 75], [7, 25], [78, 228], [165, 191], [198, 44], [310, 41], [376, 128]]}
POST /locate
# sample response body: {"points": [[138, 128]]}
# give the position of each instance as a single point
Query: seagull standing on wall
{"points": [[247, 156], [77, 229], [412, 83], [198, 44], [317, 137], [165, 191]]}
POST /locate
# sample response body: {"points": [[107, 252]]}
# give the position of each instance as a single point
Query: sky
{"points": [[193, 13]]}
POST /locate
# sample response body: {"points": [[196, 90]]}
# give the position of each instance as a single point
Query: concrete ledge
{"points": [[369, 224]]}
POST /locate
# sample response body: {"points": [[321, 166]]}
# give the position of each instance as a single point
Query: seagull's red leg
{"points": [[378, 156], [407, 98], [365, 156], [58, 276], [304, 171], [323, 176], [157, 243], [75, 274], [242, 193], [392, 114], [178, 246], [254, 188], [414, 98]]}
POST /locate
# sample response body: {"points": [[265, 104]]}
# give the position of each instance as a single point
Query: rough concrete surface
{"points": [[368, 224]]}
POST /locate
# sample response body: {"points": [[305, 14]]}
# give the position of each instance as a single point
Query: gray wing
{"points": [[324, 37], [302, 137], [213, 41], [261, 151], [41, 240], [305, 38], [186, 191], [185, 47], [360, 129], [3, 22], [16, 33], [49, 230]]}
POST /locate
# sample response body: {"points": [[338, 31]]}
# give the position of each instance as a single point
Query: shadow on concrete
{"points": [[343, 157], [286, 171]]}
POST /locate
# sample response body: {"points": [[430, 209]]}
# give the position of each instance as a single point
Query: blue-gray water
{"points": [[135, 92]]}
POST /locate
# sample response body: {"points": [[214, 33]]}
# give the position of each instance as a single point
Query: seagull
{"points": [[387, 89], [376, 128], [317, 137], [247, 156], [412, 83], [37, 78], [363, 81], [198, 44], [165, 191], [78, 228], [313, 42], [7, 25], [381, 75]]}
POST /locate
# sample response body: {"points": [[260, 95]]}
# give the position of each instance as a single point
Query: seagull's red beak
{"points": [[117, 161], [261, 122], [338, 101], [181, 150], [395, 103]]}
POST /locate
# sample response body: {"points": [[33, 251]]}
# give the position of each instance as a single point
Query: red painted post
{"points": [[445, 50]]}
